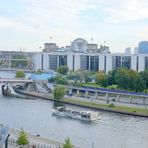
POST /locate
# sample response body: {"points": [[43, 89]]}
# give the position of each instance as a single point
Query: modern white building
{"points": [[79, 56]]}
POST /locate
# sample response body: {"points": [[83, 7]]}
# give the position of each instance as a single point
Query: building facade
{"points": [[143, 47], [90, 61]]}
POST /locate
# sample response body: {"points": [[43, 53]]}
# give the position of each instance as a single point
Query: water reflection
{"points": [[58, 104]]}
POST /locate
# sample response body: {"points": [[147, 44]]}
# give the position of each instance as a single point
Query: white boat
{"points": [[82, 115]]}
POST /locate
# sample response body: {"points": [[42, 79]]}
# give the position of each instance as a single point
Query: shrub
{"points": [[111, 105], [22, 139]]}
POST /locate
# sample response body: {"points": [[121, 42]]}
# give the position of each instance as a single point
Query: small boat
{"points": [[81, 115]]}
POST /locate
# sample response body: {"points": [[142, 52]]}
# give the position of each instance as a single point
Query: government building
{"points": [[87, 56]]}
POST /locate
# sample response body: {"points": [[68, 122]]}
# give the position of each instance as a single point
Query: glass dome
{"points": [[79, 45]]}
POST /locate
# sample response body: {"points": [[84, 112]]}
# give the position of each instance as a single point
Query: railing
{"points": [[12, 141]]}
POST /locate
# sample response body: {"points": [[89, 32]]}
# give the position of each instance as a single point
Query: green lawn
{"points": [[116, 108], [92, 85]]}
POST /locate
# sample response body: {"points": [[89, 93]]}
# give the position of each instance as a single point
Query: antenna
{"points": [[104, 43], [50, 39], [91, 39]]}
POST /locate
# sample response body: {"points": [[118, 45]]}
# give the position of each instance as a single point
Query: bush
{"points": [[20, 74], [111, 105], [63, 69], [22, 139], [59, 92], [67, 144]]}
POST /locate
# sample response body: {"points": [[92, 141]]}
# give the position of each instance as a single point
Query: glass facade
{"points": [[53, 61], [84, 62], [62, 60], [143, 47], [94, 63], [119, 61], [126, 62], [146, 62], [116, 62]]}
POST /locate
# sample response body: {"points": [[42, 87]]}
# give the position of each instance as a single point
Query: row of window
{"points": [[92, 62]]}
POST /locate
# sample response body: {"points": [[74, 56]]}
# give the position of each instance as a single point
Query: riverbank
{"points": [[33, 140], [142, 112]]}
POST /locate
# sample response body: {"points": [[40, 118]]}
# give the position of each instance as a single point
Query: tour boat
{"points": [[82, 115]]}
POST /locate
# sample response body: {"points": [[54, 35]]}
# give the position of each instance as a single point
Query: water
{"points": [[112, 131]]}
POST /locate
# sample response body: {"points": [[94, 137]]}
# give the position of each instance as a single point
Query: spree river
{"points": [[112, 131]]}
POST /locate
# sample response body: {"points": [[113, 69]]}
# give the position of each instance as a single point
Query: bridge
{"points": [[108, 95], [15, 80]]}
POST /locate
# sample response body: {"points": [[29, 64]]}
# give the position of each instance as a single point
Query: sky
{"points": [[28, 24]]}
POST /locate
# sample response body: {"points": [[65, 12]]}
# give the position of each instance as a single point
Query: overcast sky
{"points": [[30, 23]]}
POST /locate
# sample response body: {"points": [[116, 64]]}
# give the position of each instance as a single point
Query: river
{"points": [[112, 131]]}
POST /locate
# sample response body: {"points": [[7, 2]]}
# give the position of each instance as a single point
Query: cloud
{"points": [[7, 23], [127, 11]]}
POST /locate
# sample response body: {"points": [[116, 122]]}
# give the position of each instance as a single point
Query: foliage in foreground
{"points": [[63, 69], [58, 93], [67, 144], [20, 74], [19, 60], [22, 139]]}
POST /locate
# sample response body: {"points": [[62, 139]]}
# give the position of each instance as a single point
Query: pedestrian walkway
{"points": [[34, 141]]}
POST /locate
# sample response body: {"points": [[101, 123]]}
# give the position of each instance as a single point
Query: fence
{"points": [[31, 144]]}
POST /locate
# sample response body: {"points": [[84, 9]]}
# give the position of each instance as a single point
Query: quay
{"points": [[34, 140]]}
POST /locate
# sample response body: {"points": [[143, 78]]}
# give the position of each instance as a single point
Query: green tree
{"points": [[22, 139], [101, 79], [67, 144], [121, 78], [86, 75], [144, 76], [39, 71], [59, 92], [63, 70], [20, 74], [19, 60], [111, 77], [62, 80]]}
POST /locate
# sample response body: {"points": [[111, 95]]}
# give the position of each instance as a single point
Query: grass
{"points": [[92, 85], [108, 106]]}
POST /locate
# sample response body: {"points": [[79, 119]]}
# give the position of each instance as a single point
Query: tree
{"points": [[111, 77], [59, 92], [144, 76], [62, 80], [63, 69], [86, 75], [67, 144], [22, 139], [20, 74], [121, 78], [101, 79], [19, 60], [39, 71]]}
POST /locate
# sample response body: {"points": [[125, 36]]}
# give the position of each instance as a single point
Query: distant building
{"points": [[50, 47], [103, 49], [135, 50], [143, 47], [128, 50]]}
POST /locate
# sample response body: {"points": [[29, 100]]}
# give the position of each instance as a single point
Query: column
{"points": [[78, 92], [96, 95], [118, 97], [86, 94], [130, 99]]}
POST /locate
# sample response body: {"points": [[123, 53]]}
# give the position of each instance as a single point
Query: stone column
{"points": [[143, 100], [106, 96], [96, 95], [118, 97], [78, 92], [86, 94], [70, 92], [130, 99]]}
